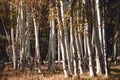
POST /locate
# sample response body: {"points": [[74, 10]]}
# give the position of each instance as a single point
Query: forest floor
{"points": [[10, 74]]}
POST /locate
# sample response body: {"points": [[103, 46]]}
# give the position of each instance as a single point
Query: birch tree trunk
{"points": [[17, 38], [62, 48], [98, 52], [49, 49], [68, 53], [99, 23], [63, 54], [97, 35], [78, 52], [105, 54], [12, 37], [115, 52], [13, 48], [59, 50], [61, 41], [78, 43], [72, 44], [28, 34], [89, 48], [22, 36], [90, 57], [115, 37], [87, 39], [52, 38], [53, 43], [104, 40], [83, 14], [36, 31]]}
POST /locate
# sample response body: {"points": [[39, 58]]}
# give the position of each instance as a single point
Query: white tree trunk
{"points": [[104, 50], [36, 29], [68, 53], [12, 38], [89, 49], [72, 44], [99, 23], [63, 54], [22, 37], [13, 48], [104, 43], [78, 52], [62, 48], [90, 59], [62, 41], [100, 41], [78, 42], [28, 34], [59, 50], [97, 51]]}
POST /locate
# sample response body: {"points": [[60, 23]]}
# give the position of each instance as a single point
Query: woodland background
{"points": [[51, 39]]}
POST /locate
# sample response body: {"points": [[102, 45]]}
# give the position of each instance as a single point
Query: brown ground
{"points": [[10, 74]]}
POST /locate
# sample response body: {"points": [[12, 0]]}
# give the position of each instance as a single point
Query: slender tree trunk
{"points": [[104, 40], [90, 58], [49, 50], [68, 53], [105, 54], [28, 34], [79, 49], [78, 52], [13, 48], [97, 36], [83, 26], [98, 52], [53, 42], [72, 44], [115, 37], [63, 54], [99, 22], [36, 29], [16, 39], [12, 36], [89, 49], [115, 52], [22, 37], [61, 38], [62, 48], [59, 50]]}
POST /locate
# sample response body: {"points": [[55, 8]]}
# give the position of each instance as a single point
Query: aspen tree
{"points": [[13, 48], [104, 39], [87, 33], [49, 51], [90, 55], [36, 31], [78, 43], [12, 37], [67, 49], [99, 50], [61, 40], [72, 44]]}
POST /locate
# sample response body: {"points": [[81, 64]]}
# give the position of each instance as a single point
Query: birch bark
{"points": [[13, 48], [68, 53], [36, 31], [72, 44]]}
